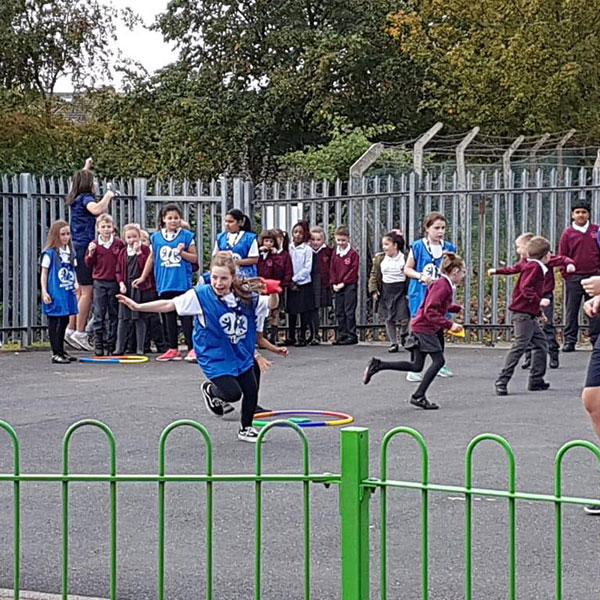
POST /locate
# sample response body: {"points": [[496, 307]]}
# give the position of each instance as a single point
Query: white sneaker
{"points": [[445, 372], [81, 339], [414, 377], [247, 434], [70, 341]]}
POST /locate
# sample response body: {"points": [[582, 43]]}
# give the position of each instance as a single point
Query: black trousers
{"points": [[154, 333], [575, 294], [231, 388], [106, 313], [187, 324], [304, 325], [527, 331], [128, 327], [548, 329], [416, 366], [345, 310], [56, 332]]}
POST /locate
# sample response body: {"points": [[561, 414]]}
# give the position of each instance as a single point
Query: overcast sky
{"points": [[146, 47]]}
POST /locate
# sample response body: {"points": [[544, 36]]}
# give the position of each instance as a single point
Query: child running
{"points": [[428, 331], [423, 267], [225, 336], [526, 306], [387, 285], [58, 283], [173, 252], [549, 283]]}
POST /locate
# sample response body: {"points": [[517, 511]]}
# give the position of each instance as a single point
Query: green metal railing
{"points": [[356, 488]]}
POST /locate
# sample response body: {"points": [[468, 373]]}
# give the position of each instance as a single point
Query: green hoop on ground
{"points": [[302, 418]]}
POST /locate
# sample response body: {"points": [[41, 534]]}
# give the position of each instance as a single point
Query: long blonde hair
{"points": [[242, 288]]}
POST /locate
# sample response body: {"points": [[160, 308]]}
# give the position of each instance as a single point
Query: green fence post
{"points": [[354, 509]]}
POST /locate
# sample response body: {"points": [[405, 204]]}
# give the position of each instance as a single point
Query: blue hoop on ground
{"points": [[341, 418], [132, 359]]}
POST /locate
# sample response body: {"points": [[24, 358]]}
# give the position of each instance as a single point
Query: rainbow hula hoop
{"points": [[340, 418], [133, 359]]}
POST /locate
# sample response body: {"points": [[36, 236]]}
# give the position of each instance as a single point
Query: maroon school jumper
{"points": [[121, 271], [282, 268], [323, 257], [557, 260], [529, 290], [344, 269], [439, 301], [103, 261], [582, 248]]}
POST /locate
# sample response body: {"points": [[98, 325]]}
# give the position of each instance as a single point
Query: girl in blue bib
{"points": [[239, 239], [423, 266], [58, 283], [225, 314], [173, 253]]}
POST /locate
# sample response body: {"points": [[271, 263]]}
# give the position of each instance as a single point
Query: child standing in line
{"points": [[154, 325], [321, 263], [173, 252], [101, 258], [300, 299], [387, 285], [58, 284], [271, 266], [343, 277], [527, 303], [226, 312], [423, 266], [239, 239], [549, 283], [579, 242], [427, 329], [130, 265]]}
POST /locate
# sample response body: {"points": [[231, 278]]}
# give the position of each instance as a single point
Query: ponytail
{"points": [[241, 218]]}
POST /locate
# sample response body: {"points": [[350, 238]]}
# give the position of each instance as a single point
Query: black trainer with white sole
{"points": [[592, 509], [247, 434], [215, 406]]}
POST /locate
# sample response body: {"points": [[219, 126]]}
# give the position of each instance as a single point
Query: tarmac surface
{"points": [[41, 400]]}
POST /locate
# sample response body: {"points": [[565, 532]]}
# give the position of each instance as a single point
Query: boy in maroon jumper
{"points": [[343, 277], [579, 242], [528, 300], [101, 257], [549, 283]]}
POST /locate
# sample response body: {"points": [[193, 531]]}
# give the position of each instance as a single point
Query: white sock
{"points": [[69, 331]]}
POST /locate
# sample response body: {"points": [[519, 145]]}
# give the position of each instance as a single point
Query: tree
{"points": [[511, 67], [42, 41]]}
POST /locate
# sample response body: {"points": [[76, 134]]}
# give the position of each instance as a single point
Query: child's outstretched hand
{"points": [[283, 351], [456, 328], [491, 271], [122, 288], [128, 302], [264, 364], [47, 298], [591, 307], [591, 285]]}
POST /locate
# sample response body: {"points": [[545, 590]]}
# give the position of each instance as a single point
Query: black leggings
{"points": [[187, 323], [416, 366], [304, 325], [231, 388], [56, 331]]}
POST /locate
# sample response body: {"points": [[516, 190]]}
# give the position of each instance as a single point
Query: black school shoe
{"points": [[370, 370], [538, 386], [592, 509], [349, 341], [394, 348], [568, 347], [69, 357], [57, 359], [423, 403], [501, 389], [554, 364], [338, 341]]}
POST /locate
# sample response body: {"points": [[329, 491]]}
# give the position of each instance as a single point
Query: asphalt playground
{"points": [[41, 400]]}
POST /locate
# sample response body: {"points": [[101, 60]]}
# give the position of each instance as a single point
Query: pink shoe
{"points": [[170, 354], [191, 356]]}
